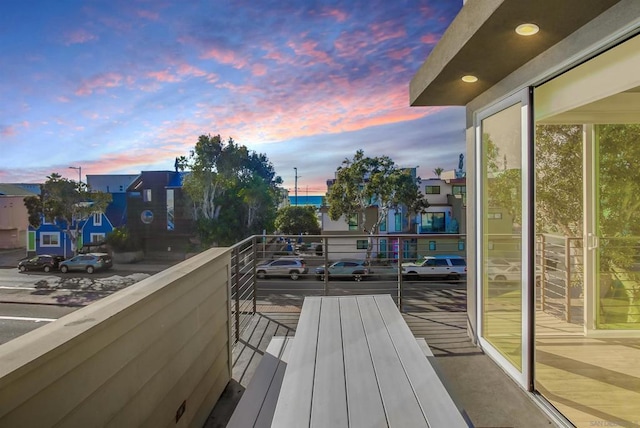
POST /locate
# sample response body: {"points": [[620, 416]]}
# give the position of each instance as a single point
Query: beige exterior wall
{"points": [[128, 360], [14, 222]]}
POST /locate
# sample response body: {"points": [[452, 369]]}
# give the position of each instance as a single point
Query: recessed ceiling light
{"points": [[469, 78], [527, 29]]}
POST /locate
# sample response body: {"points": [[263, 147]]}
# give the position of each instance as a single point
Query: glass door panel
{"points": [[502, 185]]}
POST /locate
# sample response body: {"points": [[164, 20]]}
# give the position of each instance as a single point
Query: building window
{"points": [[383, 224], [432, 245], [170, 210], [432, 190], [50, 239], [398, 221], [362, 244], [97, 219], [353, 222], [383, 248], [433, 223], [97, 237], [494, 216], [458, 189], [146, 195], [460, 245]]}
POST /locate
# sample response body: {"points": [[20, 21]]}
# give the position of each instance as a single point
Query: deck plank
{"points": [[329, 408], [364, 401], [294, 405], [400, 403], [437, 405]]}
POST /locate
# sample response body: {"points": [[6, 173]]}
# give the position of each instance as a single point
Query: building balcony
{"points": [[180, 347]]}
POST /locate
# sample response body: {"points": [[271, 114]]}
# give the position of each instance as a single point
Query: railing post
{"points": [[325, 253], [400, 282], [236, 284], [254, 283], [567, 263], [543, 258]]}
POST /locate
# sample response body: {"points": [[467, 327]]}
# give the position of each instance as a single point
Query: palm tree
{"points": [[438, 171]]}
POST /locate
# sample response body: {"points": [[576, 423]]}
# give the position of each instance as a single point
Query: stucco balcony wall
{"points": [[135, 358]]}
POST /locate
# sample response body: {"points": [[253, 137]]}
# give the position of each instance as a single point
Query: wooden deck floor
{"points": [[488, 396]]}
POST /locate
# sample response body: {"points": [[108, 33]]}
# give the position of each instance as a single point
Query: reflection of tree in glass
{"points": [[558, 159], [503, 184], [618, 187]]}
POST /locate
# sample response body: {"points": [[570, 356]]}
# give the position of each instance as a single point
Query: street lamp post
{"points": [[79, 168], [296, 185]]}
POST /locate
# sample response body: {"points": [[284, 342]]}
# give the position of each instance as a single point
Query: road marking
{"points": [[27, 319], [17, 288]]}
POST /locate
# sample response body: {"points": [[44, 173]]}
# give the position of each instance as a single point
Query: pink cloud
{"points": [[308, 48], [78, 36], [63, 99], [386, 31], [352, 44], [429, 39], [399, 54], [225, 56], [163, 76], [99, 82], [339, 15], [258, 70], [189, 70], [7, 131]]}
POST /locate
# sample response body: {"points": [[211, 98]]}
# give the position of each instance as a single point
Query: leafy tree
{"points": [[65, 203], [365, 182], [293, 220], [233, 191]]}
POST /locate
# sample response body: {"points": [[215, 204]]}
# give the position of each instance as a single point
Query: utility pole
{"points": [[296, 186]]}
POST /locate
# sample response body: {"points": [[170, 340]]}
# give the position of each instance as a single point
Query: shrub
{"points": [[121, 240]]}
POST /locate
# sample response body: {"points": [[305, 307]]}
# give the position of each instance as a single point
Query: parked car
{"points": [[344, 269], [508, 274], [43, 262], [284, 266], [87, 262], [440, 266]]}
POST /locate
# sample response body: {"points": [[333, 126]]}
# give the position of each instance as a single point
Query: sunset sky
{"points": [[121, 86]]}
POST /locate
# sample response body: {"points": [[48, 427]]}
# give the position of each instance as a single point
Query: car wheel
{"points": [[454, 277], [22, 268], [500, 278], [261, 274], [357, 277], [90, 269], [47, 268], [412, 276], [294, 274], [320, 277], [64, 269]]}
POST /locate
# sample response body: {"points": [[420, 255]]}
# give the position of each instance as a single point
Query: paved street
{"points": [[18, 319]]}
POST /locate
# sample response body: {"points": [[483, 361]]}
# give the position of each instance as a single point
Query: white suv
{"points": [[292, 267], [448, 267]]}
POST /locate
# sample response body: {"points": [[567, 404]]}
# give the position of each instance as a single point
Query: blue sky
{"points": [[120, 86]]}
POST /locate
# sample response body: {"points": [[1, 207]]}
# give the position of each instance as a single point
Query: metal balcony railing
{"points": [[253, 290]]}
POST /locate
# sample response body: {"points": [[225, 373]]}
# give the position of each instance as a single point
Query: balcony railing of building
{"points": [[161, 349]]}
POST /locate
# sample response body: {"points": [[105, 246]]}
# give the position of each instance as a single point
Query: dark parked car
{"points": [[43, 262], [87, 262], [345, 269]]}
